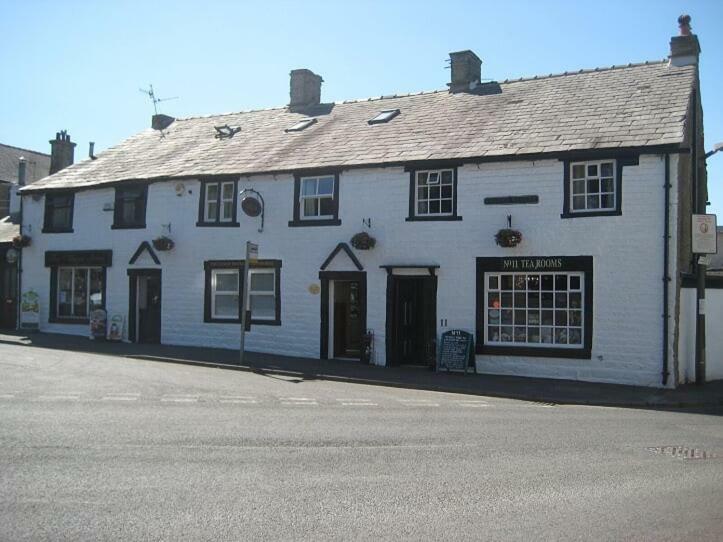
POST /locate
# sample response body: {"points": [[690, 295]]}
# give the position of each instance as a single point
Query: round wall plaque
{"points": [[11, 256], [251, 206], [314, 289]]}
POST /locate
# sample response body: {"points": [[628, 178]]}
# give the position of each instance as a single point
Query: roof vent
{"points": [[384, 116], [301, 125], [161, 122], [226, 131]]}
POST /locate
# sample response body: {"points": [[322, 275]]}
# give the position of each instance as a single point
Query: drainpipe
{"points": [[666, 271], [22, 165]]}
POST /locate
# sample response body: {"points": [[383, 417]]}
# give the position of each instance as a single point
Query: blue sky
{"points": [[78, 65]]}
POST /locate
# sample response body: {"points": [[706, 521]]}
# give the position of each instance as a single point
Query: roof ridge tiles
{"points": [[587, 70], [23, 149]]}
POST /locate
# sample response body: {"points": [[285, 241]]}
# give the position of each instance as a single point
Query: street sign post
{"points": [[252, 254]]}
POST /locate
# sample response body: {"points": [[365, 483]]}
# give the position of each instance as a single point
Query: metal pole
{"points": [[700, 321], [244, 295]]}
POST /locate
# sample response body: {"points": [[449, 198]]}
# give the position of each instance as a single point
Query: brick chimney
{"points": [[466, 71], [305, 89], [62, 152], [685, 48]]}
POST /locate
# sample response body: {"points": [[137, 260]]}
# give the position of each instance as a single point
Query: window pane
{"points": [[228, 191], [574, 282], [507, 282], [561, 282], [606, 169], [578, 187], [493, 316], [80, 294], [606, 185], [326, 186], [212, 210], [446, 177], [434, 192], [446, 206], [211, 191], [593, 202], [546, 318], [262, 282], [422, 208], [546, 282], [493, 282], [578, 202], [128, 211], [311, 207], [263, 306], [226, 305], [447, 191], [578, 171], [96, 289], [607, 201], [227, 282], [434, 207], [506, 317], [506, 299], [575, 337], [65, 286], [421, 179], [309, 187], [593, 186], [592, 170], [422, 193], [227, 211], [433, 177], [326, 206]]}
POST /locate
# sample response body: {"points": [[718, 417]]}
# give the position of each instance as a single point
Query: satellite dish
{"points": [[251, 206]]}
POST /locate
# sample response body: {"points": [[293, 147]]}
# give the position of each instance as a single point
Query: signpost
{"points": [[252, 254], [455, 351], [705, 241]]}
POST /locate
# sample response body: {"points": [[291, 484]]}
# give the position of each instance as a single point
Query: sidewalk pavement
{"points": [[513, 387]]}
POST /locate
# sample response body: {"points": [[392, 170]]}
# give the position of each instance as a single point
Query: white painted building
{"points": [[586, 166]]}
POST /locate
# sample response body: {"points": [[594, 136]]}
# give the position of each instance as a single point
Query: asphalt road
{"points": [[104, 448]]}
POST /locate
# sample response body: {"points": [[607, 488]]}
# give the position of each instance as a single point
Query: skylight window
{"points": [[384, 116], [301, 125]]}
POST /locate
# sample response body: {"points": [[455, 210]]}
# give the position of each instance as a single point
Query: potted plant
{"points": [[508, 237], [163, 243], [21, 241], [363, 241]]}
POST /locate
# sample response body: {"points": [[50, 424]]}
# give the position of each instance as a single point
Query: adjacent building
{"points": [[549, 216]]}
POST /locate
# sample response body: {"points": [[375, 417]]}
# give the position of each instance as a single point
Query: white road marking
{"points": [[59, 397], [179, 398], [297, 401], [356, 402], [237, 399], [122, 397], [418, 402], [472, 404]]}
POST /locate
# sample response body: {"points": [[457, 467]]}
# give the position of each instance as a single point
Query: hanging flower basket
{"points": [[21, 241], [363, 241], [163, 243], [508, 238]]}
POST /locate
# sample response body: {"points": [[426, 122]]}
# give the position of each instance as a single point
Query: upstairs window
{"points": [[218, 203], [58, 213], [130, 207], [433, 195], [316, 201], [384, 116], [592, 186]]}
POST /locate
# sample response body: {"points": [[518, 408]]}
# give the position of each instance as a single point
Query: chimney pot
{"points": [[22, 171], [466, 71], [62, 152], [305, 89], [91, 147], [685, 48]]}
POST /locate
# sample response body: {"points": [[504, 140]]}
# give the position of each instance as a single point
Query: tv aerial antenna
{"points": [[152, 95]]}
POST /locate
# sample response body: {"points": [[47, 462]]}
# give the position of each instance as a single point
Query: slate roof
{"points": [[38, 164], [624, 106]]}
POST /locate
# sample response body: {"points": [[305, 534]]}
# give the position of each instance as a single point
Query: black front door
{"points": [[413, 304], [347, 319], [149, 309], [8, 292], [144, 322]]}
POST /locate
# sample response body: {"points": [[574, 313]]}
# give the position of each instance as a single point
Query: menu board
{"points": [[455, 351]]}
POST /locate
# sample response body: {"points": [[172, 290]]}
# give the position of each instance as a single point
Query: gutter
{"points": [[666, 274]]}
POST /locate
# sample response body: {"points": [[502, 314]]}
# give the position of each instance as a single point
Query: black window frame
{"points": [[620, 162], [238, 265], [583, 264], [55, 259], [202, 222], [297, 221], [413, 171], [118, 224], [50, 207]]}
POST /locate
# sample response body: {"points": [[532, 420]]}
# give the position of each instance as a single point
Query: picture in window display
{"points": [[535, 309]]}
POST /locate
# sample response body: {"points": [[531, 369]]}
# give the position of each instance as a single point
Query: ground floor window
{"points": [[224, 286], [535, 306]]}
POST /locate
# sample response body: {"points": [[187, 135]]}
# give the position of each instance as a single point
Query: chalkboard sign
{"points": [[455, 351]]}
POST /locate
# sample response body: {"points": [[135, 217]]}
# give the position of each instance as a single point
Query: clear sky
{"points": [[79, 65]]}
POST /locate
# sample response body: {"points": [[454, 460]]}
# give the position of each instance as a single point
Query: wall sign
{"points": [[705, 238], [30, 309], [455, 351]]}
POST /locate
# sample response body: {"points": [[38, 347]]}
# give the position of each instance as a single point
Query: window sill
{"points": [[449, 218], [536, 352], [128, 227], [568, 214], [323, 222], [237, 321], [63, 320], [58, 230], [217, 224]]}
